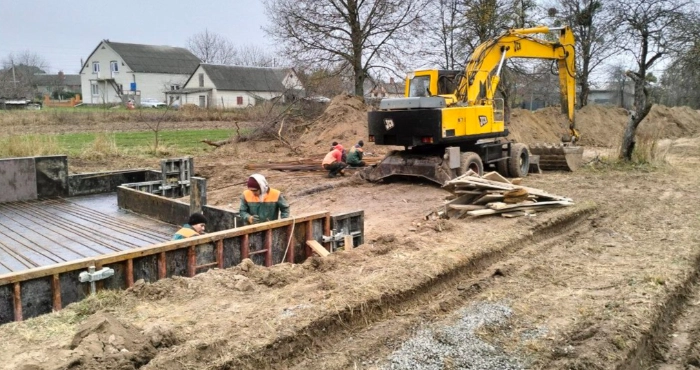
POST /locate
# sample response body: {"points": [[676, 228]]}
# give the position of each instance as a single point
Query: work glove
{"points": [[253, 219]]}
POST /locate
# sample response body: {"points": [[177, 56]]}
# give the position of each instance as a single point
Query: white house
{"points": [[115, 72], [221, 86]]}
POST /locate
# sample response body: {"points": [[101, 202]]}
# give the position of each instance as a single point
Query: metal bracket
{"points": [[334, 238], [92, 276]]}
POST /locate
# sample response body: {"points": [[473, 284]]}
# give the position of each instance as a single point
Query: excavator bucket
{"points": [[558, 157], [398, 163]]}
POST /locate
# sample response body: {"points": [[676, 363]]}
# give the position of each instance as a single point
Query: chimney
{"points": [[391, 80], [61, 76]]}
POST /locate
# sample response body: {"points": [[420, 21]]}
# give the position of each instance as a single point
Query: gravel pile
{"points": [[455, 346]]}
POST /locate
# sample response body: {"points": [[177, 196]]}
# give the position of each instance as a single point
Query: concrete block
{"points": [[51, 176]]}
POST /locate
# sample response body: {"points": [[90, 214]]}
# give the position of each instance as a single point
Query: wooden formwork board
{"points": [[41, 290]]}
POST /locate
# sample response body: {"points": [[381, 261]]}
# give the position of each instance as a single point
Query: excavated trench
{"points": [[673, 342], [311, 346]]}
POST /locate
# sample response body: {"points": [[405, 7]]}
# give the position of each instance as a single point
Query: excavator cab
{"points": [[433, 82]]}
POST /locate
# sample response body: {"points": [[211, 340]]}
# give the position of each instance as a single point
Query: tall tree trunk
{"points": [[642, 109]]}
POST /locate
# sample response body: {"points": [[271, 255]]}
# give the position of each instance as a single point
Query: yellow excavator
{"points": [[450, 122]]}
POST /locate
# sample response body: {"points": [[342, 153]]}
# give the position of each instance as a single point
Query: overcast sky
{"points": [[63, 32]]}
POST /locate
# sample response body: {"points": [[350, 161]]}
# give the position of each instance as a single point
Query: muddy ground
{"points": [[610, 283]]}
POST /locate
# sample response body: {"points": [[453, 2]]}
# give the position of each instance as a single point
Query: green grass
{"points": [[182, 141], [128, 143]]}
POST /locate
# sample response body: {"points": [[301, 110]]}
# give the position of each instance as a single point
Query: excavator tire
{"points": [[470, 161], [558, 157], [519, 161], [502, 167]]}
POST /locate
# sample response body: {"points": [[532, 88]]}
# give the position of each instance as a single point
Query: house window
{"points": [[239, 100], [114, 66], [201, 80], [95, 67], [174, 87], [202, 101], [94, 89]]}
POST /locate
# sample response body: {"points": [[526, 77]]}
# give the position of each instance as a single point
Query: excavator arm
{"points": [[482, 73]]}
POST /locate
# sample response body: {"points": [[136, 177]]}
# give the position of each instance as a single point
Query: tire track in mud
{"points": [[369, 330], [673, 341]]}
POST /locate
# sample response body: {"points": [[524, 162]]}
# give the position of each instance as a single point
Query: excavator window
{"points": [[447, 84], [419, 86]]}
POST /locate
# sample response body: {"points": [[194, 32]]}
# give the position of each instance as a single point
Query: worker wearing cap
{"points": [[260, 203], [354, 157], [195, 226]]}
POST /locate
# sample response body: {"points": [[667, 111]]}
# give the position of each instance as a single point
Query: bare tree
{"points": [[17, 74], [596, 37], [212, 48], [443, 25], [354, 34], [681, 79], [655, 29], [255, 56]]}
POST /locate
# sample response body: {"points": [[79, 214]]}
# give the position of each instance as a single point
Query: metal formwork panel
{"points": [[352, 223], [17, 179]]}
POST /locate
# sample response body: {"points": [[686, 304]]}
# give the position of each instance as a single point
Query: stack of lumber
{"points": [[305, 164], [475, 195]]}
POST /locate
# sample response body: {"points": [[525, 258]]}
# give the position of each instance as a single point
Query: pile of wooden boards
{"points": [[490, 194], [304, 164]]}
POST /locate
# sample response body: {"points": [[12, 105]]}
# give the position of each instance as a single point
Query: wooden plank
{"points": [[317, 247], [495, 176], [17, 300], [488, 198], [162, 266], [220, 254], [466, 207], [289, 248], [191, 261], [268, 248], [309, 236], [514, 207], [129, 273], [476, 181], [348, 242], [56, 292]]}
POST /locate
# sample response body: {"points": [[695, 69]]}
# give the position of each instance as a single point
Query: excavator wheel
{"points": [[519, 161], [502, 167], [470, 161]]}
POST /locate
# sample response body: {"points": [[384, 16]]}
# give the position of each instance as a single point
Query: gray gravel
{"points": [[455, 346]]}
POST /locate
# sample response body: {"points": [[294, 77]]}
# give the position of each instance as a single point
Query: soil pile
{"points": [[344, 121], [602, 125]]}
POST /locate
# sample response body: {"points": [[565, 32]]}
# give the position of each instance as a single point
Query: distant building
{"points": [[222, 86], [115, 72], [48, 84], [615, 97]]}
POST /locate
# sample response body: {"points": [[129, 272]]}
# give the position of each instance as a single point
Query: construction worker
{"points": [[354, 157], [260, 203], [195, 226], [333, 162]]}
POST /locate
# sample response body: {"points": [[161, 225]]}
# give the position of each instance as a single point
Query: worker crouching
{"points": [[354, 156], [333, 162], [260, 203]]}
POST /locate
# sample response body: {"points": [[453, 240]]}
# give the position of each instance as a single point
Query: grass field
{"points": [[127, 143]]}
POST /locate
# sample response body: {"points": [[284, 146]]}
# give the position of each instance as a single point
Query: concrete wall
{"points": [[105, 182], [160, 208], [17, 179]]}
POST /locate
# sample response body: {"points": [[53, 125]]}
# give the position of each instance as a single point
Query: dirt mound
{"points": [[602, 125], [344, 121], [104, 342]]}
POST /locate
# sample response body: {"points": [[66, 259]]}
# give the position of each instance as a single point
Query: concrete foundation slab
{"points": [[44, 232]]}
